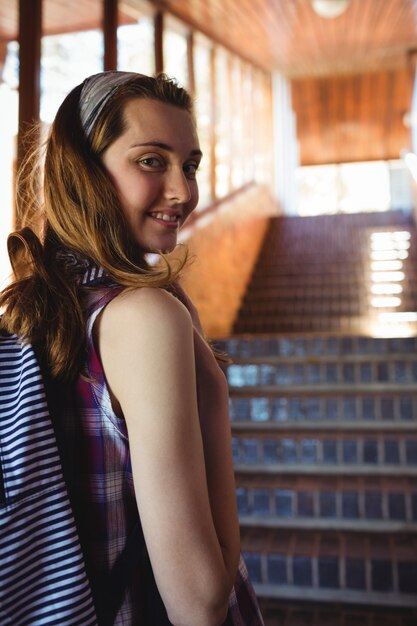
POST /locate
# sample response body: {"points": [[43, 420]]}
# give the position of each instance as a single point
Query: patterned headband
{"points": [[96, 92]]}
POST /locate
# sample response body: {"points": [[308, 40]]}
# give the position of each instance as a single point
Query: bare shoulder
{"points": [[146, 309], [144, 330]]}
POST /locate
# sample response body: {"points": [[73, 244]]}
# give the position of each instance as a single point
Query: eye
{"points": [[151, 162], [190, 169]]}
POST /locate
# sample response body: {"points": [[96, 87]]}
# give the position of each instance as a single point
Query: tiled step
{"points": [[274, 283], [321, 427], [298, 469], [269, 302], [352, 568], [335, 596], [291, 323], [384, 505], [327, 306], [317, 345], [399, 371], [311, 407], [375, 453], [286, 613], [325, 525], [324, 267]]}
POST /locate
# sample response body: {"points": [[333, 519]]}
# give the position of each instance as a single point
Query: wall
{"points": [[224, 246]]}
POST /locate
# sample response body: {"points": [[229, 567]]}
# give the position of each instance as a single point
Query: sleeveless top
{"points": [[106, 503], [106, 508]]}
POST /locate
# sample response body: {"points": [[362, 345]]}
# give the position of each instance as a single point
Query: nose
{"points": [[177, 188]]}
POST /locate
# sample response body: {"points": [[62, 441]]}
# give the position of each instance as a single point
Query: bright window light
{"points": [[385, 302], [411, 162], [383, 244], [402, 234], [403, 245], [386, 289], [381, 235], [387, 277], [390, 244], [388, 255], [386, 266], [398, 316]]}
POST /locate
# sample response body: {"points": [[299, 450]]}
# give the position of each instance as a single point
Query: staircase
{"points": [[324, 421], [316, 273]]}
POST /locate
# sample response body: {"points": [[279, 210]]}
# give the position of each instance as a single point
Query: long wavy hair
{"points": [[66, 202]]}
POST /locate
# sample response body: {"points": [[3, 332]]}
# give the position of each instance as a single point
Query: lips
{"points": [[167, 218]]}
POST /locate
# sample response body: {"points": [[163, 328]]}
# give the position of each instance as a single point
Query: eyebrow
{"points": [[164, 146]]}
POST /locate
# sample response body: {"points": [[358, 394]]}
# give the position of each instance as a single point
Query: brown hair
{"points": [[79, 212]]}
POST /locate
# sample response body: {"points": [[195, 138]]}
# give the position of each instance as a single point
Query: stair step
{"points": [[315, 345], [377, 599], [331, 565], [378, 452], [337, 525], [328, 389], [389, 507], [330, 371], [252, 406], [326, 470], [280, 612], [321, 426]]}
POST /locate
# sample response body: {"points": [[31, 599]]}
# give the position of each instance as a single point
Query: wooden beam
{"points": [[3, 55], [110, 24], [159, 41], [190, 63], [213, 138], [30, 33]]}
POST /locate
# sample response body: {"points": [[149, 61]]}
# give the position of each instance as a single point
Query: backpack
{"points": [[42, 572]]}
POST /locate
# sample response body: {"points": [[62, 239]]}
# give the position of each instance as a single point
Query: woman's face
{"points": [[153, 167]]}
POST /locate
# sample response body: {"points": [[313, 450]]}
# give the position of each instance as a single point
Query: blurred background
{"points": [[305, 262]]}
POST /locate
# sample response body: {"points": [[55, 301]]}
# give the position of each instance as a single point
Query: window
{"points": [[66, 60], [8, 132], [237, 125], [135, 46], [204, 115], [176, 50], [353, 187], [223, 117], [248, 122]]}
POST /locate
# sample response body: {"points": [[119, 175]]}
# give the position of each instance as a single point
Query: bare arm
{"points": [[147, 349]]}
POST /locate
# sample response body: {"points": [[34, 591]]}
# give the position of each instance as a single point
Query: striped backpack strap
{"points": [[42, 573]]}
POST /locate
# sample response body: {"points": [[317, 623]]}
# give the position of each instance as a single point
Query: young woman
{"points": [[143, 404]]}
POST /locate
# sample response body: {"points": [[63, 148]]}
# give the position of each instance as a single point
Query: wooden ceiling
{"points": [[283, 35], [352, 76], [358, 117]]}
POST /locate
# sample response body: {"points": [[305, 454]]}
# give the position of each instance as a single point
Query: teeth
{"points": [[165, 217]]}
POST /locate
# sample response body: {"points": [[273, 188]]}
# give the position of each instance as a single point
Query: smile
{"points": [[165, 217]]}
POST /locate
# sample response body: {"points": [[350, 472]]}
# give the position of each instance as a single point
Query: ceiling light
{"points": [[330, 8]]}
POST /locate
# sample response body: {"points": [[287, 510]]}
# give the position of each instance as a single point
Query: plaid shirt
{"points": [[107, 505]]}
